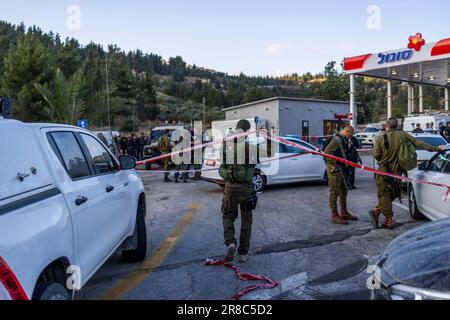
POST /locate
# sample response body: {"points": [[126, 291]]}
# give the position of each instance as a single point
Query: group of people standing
{"points": [[181, 169], [133, 145], [444, 131]]}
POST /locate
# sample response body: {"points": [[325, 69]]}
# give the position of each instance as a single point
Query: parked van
{"points": [[437, 120]]}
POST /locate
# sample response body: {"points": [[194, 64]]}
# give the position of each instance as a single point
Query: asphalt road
{"points": [[293, 242]]}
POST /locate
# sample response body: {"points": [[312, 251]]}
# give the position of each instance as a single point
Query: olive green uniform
{"points": [[387, 162], [235, 195], [238, 194], [182, 166], [338, 190], [164, 148]]}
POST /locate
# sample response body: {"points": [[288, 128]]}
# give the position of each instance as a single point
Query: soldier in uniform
{"points": [[336, 178], [239, 192], [183, 167], [386, 153], [164, 148]]}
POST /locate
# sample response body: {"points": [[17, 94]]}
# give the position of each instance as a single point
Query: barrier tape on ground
{"points": [[271, 284], [445, 198]]}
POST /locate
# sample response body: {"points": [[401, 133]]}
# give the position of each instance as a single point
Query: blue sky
{"points": [[257, 37]]}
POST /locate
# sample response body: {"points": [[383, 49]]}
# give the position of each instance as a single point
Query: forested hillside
{"points": [[59, 80]]}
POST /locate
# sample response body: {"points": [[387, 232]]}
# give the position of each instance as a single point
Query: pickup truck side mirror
{"points": [[423, 166], [127, 162]]}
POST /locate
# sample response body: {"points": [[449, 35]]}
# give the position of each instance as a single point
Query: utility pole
{"points": [[204, 110]]}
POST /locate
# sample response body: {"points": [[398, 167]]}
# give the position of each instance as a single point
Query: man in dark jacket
{"points": [[336, 178], [351, 148]]}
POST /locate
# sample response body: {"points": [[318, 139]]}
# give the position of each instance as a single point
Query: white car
{"points": [[427, 200], [368, 136], [435, 140], [66, 205], [288, 169]]}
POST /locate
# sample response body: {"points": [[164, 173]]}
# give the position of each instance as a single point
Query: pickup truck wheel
{"points": [[140, 252], [51, 291]]}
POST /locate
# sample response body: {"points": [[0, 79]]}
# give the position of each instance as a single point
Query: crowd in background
{"points": [[133, 145]]}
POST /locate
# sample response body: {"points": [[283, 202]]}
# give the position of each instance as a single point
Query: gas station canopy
{"points": [[420, 63]]}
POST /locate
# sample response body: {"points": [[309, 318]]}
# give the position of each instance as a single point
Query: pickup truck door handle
{"points": [[81, 200], [109, 189]]}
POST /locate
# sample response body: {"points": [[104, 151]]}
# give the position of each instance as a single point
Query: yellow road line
{"points": [[135, 278]]}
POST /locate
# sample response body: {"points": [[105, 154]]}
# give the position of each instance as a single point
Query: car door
{"points": [[430, 198], [87, 199], [115, 184], [282, 164], [306, 166]]}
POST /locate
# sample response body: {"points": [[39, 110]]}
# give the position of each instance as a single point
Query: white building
{"points": [[293, 116]]}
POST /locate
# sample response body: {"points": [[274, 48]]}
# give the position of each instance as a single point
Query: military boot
{"points": [[337, 219], [346, 215], [375, 216], [243, 258], [231, 253], [389, 224]]}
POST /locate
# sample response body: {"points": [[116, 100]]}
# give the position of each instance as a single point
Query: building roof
{"points": [[284, 98]]}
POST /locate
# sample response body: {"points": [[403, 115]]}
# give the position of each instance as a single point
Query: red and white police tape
{"points": [[271, 284], [359, 166], [300, 147], [198, 147]]}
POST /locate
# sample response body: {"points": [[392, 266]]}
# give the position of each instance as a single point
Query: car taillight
{"points": [[9, 281]]}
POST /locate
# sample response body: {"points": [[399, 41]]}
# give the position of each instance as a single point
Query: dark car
{"points": [[416, 266]]}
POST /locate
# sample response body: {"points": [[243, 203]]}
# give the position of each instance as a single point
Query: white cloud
{"points": [[275, 49]]}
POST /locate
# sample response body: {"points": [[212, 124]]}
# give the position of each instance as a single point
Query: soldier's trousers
{"points": [[166, 166], [235, 196], [337, 189], [184, 174], [385, 195]]}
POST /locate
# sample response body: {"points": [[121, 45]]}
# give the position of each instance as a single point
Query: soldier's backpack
{"points": [[407, 155]]}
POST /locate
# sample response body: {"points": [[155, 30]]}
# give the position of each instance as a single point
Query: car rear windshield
{"points": [[434, 141]]}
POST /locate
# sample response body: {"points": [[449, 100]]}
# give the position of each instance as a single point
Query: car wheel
{"points": [[413, 209], [51, 291], [191, 172], [325, 179], [140, 252], [259, 182]]}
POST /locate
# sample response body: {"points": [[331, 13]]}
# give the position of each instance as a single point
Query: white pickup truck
{"points": [[66, 205]]}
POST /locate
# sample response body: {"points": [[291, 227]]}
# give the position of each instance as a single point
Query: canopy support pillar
{"points": [[446, 99], [410, 110], [353, 109], [421, 99], [389, 99]]}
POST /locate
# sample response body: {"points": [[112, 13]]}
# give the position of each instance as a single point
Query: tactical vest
{"points": [[164, 144], [236, 173]]}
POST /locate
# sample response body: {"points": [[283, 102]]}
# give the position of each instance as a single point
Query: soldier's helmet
{"points": [[243, 125]]}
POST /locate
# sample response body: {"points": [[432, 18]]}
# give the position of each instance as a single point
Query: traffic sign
{"points": [[83, 123]]}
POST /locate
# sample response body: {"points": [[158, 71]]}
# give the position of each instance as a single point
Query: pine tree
{"points": [[26, 65]]}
